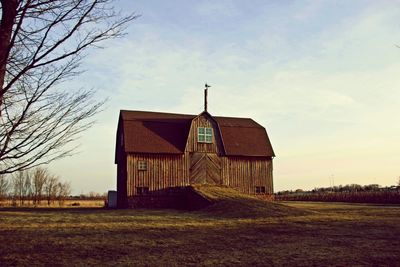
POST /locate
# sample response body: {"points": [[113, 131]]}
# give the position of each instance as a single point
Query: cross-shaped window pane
{"points": [[204, 135]]}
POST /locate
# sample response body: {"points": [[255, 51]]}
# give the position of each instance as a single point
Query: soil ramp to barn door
{"points": [[225, 202]]}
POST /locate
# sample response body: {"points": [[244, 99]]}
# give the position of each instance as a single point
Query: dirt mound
{"points": [[228, 203]]}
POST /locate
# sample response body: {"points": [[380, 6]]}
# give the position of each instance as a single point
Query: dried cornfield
{"points": [[378, 197]]}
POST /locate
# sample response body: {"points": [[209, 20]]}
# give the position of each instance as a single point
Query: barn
{"points": [[158, 155]]}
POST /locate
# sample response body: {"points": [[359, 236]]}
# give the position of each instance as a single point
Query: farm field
{"points": [[85, 203], [308, 234]]}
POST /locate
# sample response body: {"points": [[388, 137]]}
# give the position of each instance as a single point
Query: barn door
{"points": [[205, 168]]}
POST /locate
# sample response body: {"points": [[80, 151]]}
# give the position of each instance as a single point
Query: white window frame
{"points": [[206, 136], [142, 165]]}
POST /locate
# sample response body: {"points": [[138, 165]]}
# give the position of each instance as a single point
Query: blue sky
{"points": [[323, 77]]}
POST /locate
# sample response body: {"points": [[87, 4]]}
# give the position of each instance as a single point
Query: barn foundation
{"points": [[181, 198]]}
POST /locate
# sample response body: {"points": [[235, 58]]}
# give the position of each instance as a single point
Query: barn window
{"points": [[260, 189], [142, 190], [142, 165], [204, 135]]}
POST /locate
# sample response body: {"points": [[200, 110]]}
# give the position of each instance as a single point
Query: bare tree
{"points": [[50, 188], [22, 186], [39, 178], [42, 44], [93, 195], [4, 187], [63, 191], [18, 186], [27, 186]]}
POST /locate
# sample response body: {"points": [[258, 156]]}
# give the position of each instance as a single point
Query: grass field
{"points": [[85, 203], [298, 233]]}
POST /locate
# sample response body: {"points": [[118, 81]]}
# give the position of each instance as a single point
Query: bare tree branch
{"points": [[42, 44]]}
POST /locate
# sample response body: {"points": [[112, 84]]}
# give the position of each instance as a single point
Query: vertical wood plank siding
{"points": [[163, 171], [245, 173]]}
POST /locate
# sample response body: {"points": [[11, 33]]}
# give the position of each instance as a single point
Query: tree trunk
{"points": [[8, 12]]}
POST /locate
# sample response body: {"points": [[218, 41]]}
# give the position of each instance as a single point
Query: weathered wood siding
{"points": [[121, 182], [245, 173], [193, 146], [205, 168], [163, 171], [204, 158]]}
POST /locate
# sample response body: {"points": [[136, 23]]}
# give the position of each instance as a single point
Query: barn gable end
{"points": [[204, 120], [204, 156]]}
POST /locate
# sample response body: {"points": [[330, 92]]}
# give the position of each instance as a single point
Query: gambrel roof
{"points": [[167, 133]]}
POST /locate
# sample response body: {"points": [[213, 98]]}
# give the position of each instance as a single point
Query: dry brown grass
{"points": [[229, 203], [55, 204], [324, 234]]}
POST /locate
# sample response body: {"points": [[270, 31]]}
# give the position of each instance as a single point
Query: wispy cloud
{"points": [[216, 9]]}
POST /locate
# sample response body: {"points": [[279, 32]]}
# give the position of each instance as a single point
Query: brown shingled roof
{"points": [[156, 132], [246, 141]]}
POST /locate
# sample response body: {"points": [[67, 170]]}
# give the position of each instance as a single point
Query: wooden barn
{"points": [[158, 154]]}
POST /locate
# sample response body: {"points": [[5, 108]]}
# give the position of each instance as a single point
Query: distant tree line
{"points": [[92, 195], [34, 187], [372, 193], [341, 188]]}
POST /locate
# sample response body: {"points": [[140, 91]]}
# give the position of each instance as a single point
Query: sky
{"points": [[323, 78]]}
